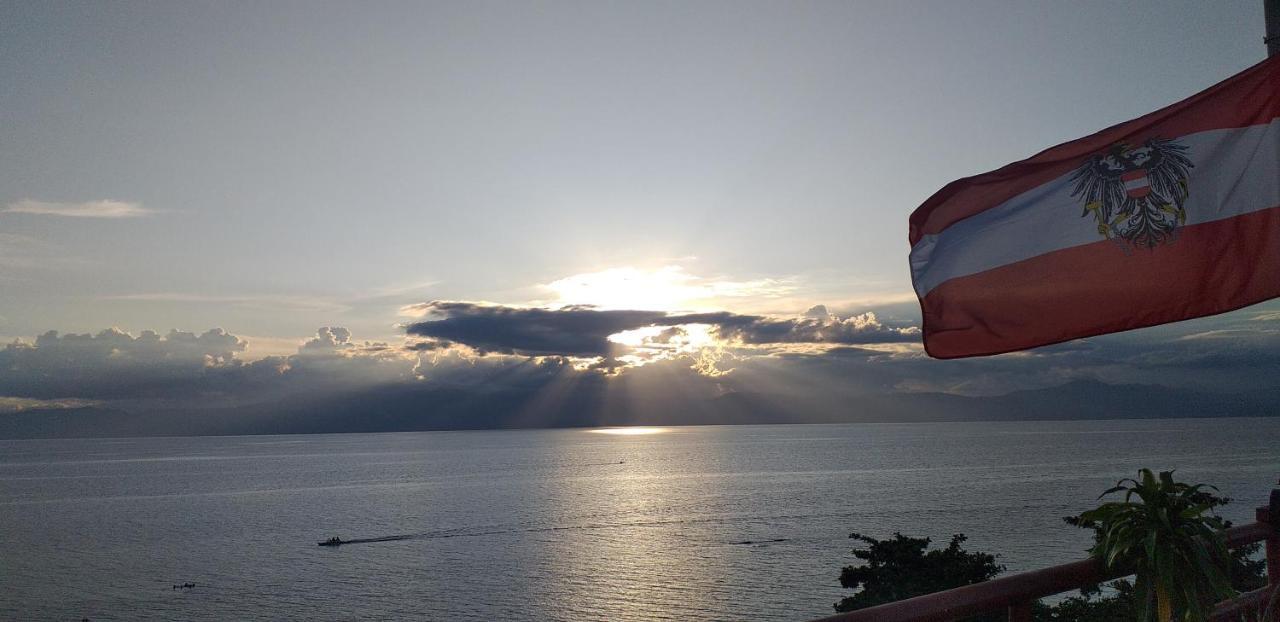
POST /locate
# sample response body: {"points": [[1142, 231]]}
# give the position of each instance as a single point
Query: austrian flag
{"points": [[1167, 217]]}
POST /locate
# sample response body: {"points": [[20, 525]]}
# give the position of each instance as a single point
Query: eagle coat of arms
{"points": [[1136, 194]]}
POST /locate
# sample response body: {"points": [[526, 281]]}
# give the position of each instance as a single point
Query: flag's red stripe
{"points": [[1240, 101], [1099, 288]]}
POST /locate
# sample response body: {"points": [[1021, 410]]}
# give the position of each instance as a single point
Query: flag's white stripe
{"points": [[1237, 171], [1133, 184]]}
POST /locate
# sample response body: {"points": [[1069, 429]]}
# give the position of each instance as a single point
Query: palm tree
{"points": [[1168, 537]]}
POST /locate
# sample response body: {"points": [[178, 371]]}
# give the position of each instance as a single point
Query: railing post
{"points": [[1020, 612], [1272, 517]]}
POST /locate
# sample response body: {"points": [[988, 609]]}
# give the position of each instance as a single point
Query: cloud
{"points": [[86, 209], [180, 365], [570, 331], [583, 331], [331, 360], [112, 362], [328, 339], [1227, 350], [583, 365], [428, 346], [817, 326]]}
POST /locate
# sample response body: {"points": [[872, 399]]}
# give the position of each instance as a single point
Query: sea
{"points": [[682, 523]]}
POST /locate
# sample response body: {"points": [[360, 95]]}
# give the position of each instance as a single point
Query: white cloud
{"points": [[206, 367], [86, 209]]}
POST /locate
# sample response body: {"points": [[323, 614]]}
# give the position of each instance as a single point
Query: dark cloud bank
{"points": [[469, 366], [585, 331]]}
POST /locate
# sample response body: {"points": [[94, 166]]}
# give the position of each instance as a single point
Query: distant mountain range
{"points": [[408, 408]]}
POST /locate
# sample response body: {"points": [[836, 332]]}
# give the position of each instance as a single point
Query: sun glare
{"points": [[669, 288], [630, 431], [637, 337], [665, 289]]}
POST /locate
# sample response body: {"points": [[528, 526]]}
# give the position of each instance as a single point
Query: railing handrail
{"points": [[1020, 588]]}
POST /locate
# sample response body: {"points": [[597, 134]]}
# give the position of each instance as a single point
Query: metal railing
{"points": [[1017, 593]]}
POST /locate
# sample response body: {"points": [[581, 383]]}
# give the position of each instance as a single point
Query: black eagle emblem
{"points": [[1136, 194]]}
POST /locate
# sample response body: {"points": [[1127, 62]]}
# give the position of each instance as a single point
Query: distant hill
{"points": [[1090, 399], [410, 408]]}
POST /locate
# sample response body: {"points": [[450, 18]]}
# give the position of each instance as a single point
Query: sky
{"points": [[421, 191]]}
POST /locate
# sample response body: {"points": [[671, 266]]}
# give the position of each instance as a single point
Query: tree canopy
{"points": [[902, 567]]}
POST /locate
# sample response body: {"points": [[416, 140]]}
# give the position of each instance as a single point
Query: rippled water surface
{"points": [[557, 525]]}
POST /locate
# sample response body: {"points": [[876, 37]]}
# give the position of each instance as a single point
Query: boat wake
{"points": [[496, 530]]}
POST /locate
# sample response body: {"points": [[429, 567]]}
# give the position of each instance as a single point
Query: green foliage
{"points": [[1091, 606], [1166, 537], [1117, 603], [1248, 573], [901, 567]]}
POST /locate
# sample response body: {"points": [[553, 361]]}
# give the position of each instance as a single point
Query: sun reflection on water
{"points": [[630, 431]]}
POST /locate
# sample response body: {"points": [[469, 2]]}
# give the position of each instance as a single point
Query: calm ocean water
{"points": [[557, 524]]}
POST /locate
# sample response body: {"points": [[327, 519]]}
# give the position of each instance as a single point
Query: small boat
{"points": [[336, 541]]}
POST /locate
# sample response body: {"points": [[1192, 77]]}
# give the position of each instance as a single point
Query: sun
{"points": [[670, 288], [666, 289]]}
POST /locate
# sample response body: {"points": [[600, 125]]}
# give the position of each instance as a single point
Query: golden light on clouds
{"points": [[638, 337], [680, 338], [651, 344], [622, 318]]}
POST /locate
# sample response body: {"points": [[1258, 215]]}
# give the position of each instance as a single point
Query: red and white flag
{"points": [[1170, 216]]}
